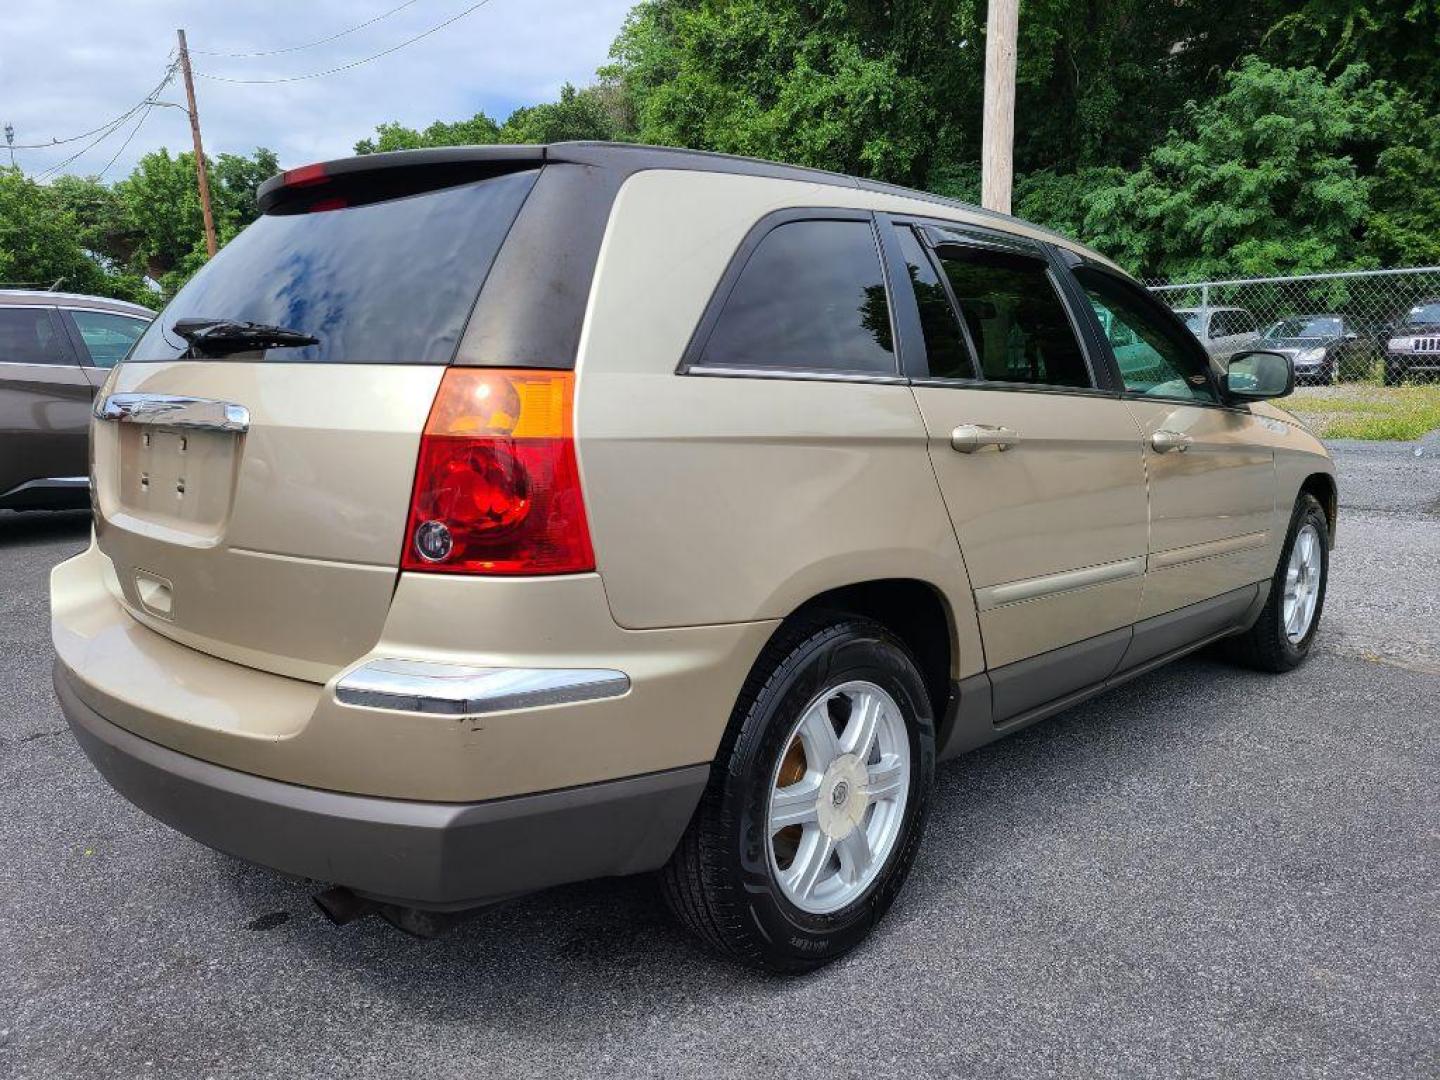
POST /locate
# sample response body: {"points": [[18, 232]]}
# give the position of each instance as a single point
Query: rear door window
{"points": [[1017, 321], [947, 355], [107, 336], [383, 282], [31, 336], [811, 297]]}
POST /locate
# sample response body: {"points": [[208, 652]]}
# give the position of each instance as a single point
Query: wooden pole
{"points": [[201, 175], [997, 148]]}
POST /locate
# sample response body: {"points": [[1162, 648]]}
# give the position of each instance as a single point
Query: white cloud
{"points": [[67, 66]]}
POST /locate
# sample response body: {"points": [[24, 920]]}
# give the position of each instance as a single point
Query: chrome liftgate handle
{"points": [[167, 410]]}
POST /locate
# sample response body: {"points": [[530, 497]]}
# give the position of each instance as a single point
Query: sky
{"points": [[68, 66]]}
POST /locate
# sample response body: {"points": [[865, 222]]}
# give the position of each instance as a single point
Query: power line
{"points": [[309, 44], [138, 124], [110, 129], [354, 63], [146, 100]]}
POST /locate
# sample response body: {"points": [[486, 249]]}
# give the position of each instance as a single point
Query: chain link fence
{"points": [[1369, 326]]}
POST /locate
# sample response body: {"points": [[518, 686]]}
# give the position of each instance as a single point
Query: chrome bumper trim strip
{"points": [[422, 686]]}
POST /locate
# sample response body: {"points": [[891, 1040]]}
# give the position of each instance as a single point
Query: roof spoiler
{"points": [[371, 177]]}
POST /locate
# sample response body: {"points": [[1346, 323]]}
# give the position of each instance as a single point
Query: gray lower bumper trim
{"points": [[437, 855]]}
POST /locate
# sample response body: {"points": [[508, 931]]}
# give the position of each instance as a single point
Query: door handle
{"points": [[1162, 441], [968, 438]]}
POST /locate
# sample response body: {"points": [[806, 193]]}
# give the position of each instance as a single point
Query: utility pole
{"points": [[201, 176], [10, 141], [997, 141]]}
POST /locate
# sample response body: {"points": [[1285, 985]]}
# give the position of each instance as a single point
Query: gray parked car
{"points": [[56, 350], [1224, 331]]}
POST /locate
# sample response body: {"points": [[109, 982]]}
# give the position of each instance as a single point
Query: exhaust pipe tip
{"points": [[341, 906]]}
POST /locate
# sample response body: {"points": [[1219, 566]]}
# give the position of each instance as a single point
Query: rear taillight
{"points": [[497, 489]]}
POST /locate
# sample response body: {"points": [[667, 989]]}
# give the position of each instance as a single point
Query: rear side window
{"points": [[810, 298], [388, 282], [946, 353], [107, 336], [1016, 319], [30, 336]]}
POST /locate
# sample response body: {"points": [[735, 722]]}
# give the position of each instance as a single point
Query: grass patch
{"points": [[1366, 411]]}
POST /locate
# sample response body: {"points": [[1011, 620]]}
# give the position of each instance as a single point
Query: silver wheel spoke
{"points": [[855, 855], [810, 862], [887, 778], [859, 734], [817, 734], [794, 805]]}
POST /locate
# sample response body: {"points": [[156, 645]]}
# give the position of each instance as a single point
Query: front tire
{"points": [[816, 801], [1394, 373], [1281, 638]]}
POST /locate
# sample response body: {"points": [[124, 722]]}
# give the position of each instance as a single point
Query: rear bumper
{"points": [[435, 855]]}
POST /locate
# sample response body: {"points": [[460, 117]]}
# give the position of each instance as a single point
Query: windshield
{"points": [[389, 282], [1306, 326], [1193, 319], [1424, 313]]}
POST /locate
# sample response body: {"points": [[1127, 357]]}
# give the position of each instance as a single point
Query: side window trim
{"points": [[905, 306], [690, 359], [1188, 340]]}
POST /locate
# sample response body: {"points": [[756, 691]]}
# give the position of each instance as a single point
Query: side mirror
{"points": [[1258, 375], [1351, 335]]}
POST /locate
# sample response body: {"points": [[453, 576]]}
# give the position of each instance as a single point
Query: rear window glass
{"points": [[387, 282], [29, 336], [1015, 317], [107, 336], [946, 353], [811, 298]]}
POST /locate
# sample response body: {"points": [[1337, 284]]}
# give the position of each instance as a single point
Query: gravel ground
{"points": [[1207, 872]]}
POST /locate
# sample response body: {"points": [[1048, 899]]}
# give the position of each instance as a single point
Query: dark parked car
{"points": [[1413, 344], [1322, 347], [56, 350]]}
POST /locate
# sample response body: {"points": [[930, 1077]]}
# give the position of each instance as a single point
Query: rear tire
{"points": [[728, 881], [1281, 638]]}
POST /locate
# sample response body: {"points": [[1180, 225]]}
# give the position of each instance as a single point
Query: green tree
{"points": [[579, 115], [1268, 178], [479, 130]]}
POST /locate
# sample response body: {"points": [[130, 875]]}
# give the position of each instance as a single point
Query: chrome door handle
{"points": [[169, 410], [968, 438], [1162, 441]]}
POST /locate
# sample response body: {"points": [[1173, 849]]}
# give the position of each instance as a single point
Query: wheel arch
{"points": [[915, 611], [1322, 487]]}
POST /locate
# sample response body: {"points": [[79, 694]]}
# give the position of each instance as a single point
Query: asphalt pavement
{"points": [[1207, 872]]}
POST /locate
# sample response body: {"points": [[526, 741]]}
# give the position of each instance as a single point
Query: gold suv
{"points": [[487, 518]]}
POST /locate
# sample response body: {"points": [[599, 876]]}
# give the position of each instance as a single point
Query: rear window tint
{"points": [[29, 336], [1015, 317], [389, 282], [811, 298]]}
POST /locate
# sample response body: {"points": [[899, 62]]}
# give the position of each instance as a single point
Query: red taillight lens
{"points": [[497, 489]]}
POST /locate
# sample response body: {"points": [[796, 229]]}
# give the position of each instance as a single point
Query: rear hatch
{"points": [[253, 468]]}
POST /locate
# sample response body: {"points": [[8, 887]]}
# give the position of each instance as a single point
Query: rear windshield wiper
{"points": [[220, 336]]}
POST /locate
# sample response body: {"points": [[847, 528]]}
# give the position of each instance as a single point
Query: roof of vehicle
{"points": [[630, 158], [1206, 310], [29, 297]]}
